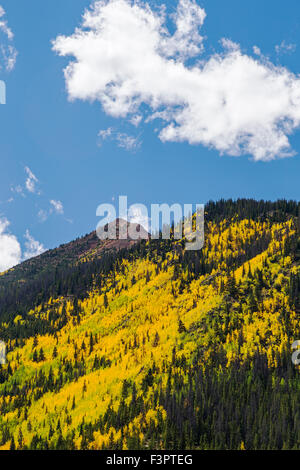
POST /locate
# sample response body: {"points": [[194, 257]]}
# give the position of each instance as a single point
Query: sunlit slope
{"points": [[115, 366]]}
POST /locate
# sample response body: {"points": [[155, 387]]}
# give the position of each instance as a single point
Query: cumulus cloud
{"points": [[10, 249], [125, 57], [31, 180], [8, 53], [187, 41], [57, 206], [32, 247]]}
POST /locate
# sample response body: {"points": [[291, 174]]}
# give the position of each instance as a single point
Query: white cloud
{"points": [[10, 57], [285, 48], [136, 120], [57, 206], [33, 247], [128, 142], [126, 58], [104, 134], [186, 42], [31, 180], [3, 24], [8, 51], [230, 45], [123, 140], [42, 215], [10, 249], [256, 50], [17, 189]]}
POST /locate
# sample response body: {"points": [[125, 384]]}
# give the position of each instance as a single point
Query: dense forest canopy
{"points": [[152, 346]]}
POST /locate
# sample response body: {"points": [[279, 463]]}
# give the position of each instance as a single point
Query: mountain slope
{"points": [[67, 269], [79, 250], [161, 348]]}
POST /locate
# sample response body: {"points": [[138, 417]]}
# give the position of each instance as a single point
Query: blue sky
{"points": [[53, 143]]}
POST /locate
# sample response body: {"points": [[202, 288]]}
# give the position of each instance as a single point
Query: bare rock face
{"points": [[126, 234], [125, 230]]}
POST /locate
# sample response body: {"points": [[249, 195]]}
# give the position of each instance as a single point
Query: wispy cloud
{"points": [[128, 142], [31, 181], [57, 206], [285, 48], [122, 139], [3, 24], [10, 56], [18, 190], [8, 51], [136, 120], [32, 247], [124, 56], [31, 186], [105, 134], [42, 215], [257, 50]]}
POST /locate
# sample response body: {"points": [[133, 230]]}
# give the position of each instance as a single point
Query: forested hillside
{"points": [[149, 346]]}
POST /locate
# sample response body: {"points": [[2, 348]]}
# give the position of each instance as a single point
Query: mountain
{"points": [[129, 344], [80, 250], [60, 269]]}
